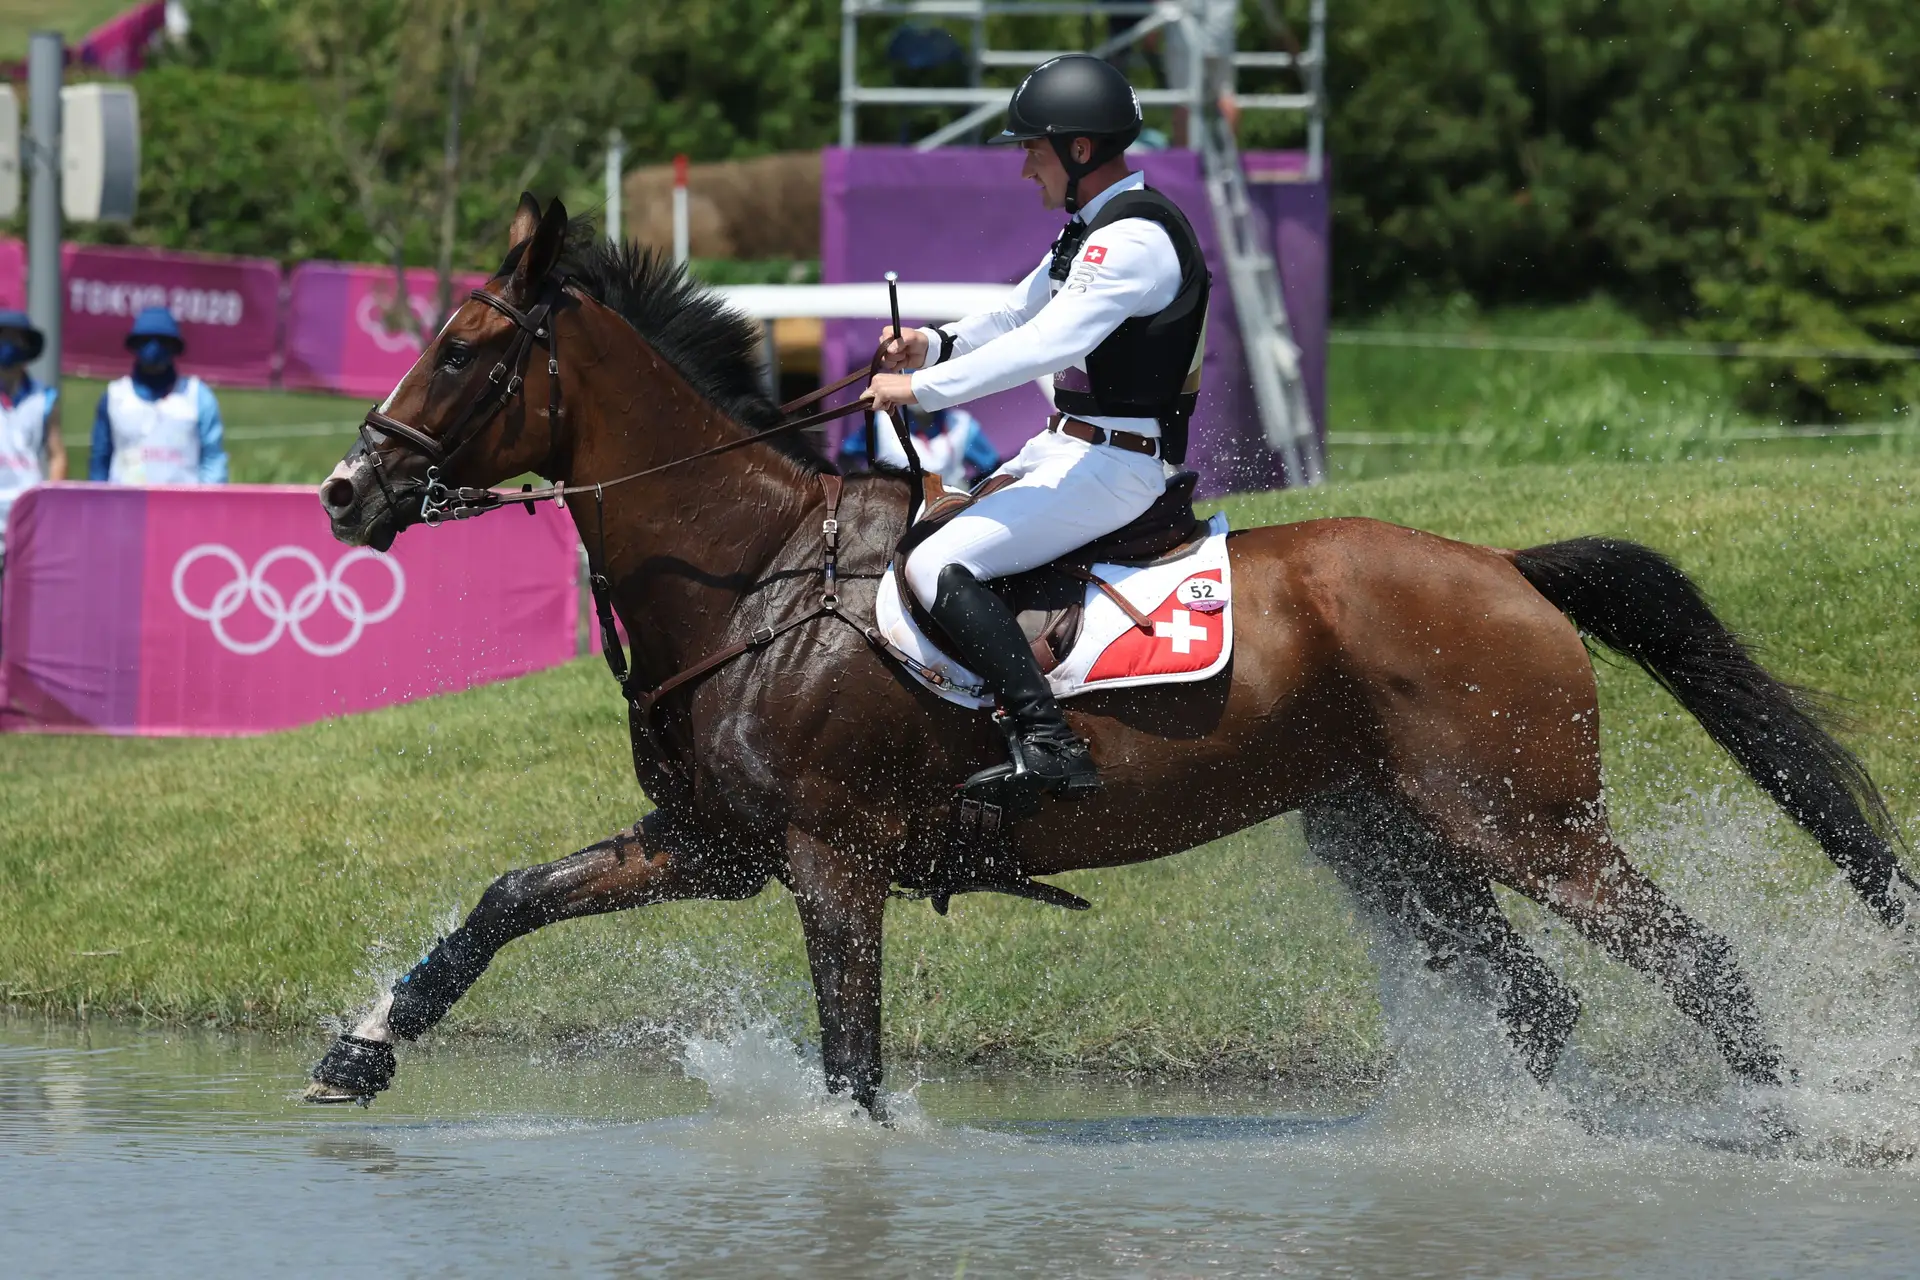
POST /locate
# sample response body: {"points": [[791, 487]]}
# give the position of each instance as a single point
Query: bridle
{"points": [[437, 500], [440, 502]]}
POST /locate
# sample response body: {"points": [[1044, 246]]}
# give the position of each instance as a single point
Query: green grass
{"points": [[273, 881], [1393, 408]]}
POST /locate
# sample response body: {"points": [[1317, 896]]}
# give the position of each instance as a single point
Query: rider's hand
{"points": [[908, 351], [890, 390]]}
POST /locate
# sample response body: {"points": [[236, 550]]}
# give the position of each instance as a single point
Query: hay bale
{"points": [[766, 207]]}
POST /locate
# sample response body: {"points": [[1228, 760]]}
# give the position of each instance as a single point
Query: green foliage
{"points": [[729, 78], [238, 164], [1735, 165]]}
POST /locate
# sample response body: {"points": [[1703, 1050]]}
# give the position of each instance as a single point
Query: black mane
{"points": [[715, 348]]}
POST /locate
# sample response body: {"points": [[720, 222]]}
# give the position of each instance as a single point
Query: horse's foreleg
{"points": [[630, 870], [842, 909]]}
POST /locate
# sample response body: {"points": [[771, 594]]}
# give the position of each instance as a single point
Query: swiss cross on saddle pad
{"points": [[1189, 602], [1190, 628]]}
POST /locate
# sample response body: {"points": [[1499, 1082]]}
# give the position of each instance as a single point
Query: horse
{"points": [[1428, 706]]}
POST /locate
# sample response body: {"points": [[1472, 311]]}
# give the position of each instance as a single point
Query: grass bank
{"points": [[1395, 407], [272, 881]]}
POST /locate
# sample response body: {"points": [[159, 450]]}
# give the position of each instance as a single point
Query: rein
{"points": [[439, 502]]}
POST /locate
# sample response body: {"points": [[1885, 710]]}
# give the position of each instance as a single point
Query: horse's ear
{"points": [[526, 219], [544, 249]]}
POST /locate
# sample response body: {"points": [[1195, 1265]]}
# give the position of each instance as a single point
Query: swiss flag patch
{"points": [[1189, 630], [1096, 254]]}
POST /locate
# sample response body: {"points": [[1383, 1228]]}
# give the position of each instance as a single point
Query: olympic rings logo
{"points": [[251, 585]]}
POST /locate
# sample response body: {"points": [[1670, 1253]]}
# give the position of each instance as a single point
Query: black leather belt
{"points": [[1131, 441]]}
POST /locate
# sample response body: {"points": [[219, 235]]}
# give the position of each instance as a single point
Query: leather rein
{"points": [[440, 502]]}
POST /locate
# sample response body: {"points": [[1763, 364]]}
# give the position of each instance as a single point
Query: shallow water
{"points": [[178, 1153]]}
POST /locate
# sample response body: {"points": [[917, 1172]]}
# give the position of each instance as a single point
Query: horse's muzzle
{"points": [[357, 511]]}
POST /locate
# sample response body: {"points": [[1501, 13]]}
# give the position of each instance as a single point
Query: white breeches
{"points": [[1068, 493]]}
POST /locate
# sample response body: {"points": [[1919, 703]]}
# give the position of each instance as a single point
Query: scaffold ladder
{"points": [[1273, 358]]}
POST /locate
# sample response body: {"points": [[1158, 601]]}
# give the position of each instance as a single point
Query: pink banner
{"points": [[119, 46], [343, 333], [228, 309], [232, 610]]}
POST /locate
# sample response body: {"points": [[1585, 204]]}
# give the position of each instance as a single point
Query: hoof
{"points": [[323, 1094], [354, 1070]]}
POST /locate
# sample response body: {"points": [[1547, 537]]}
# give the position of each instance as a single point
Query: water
{"points": [[173, 1153], [182, 1154]]}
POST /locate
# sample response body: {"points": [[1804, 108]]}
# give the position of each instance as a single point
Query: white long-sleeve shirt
{"points": [[1125, 269]]}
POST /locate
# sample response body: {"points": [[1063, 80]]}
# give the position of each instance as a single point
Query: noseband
{"points": [[437, 501]]}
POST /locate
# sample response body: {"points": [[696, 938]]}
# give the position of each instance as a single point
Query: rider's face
{"points": [[1043, 167]]}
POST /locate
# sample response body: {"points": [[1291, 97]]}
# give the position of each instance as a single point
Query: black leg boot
{"points": [[1047, 755]]}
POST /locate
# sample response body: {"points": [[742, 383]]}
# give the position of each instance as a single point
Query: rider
{"points": [[1116, 313]]}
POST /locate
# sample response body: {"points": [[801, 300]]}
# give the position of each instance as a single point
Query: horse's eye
{"points": [[456, 355]]}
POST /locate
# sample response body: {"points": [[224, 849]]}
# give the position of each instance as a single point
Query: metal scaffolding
{"points": [[1203, 62]]}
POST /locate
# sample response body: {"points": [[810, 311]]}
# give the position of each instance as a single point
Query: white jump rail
{"points": [[934, 302]]}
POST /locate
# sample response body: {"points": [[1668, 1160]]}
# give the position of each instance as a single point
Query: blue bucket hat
{"points": [[36, 340], [156, 322]]}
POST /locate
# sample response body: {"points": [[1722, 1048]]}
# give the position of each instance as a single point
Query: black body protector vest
{"points": [[1149, 367]]}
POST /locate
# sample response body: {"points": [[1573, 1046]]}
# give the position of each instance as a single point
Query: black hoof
{"points": [[358, 1067]]}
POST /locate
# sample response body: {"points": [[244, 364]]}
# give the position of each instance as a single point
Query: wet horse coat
{"points": [[1425, 703]]}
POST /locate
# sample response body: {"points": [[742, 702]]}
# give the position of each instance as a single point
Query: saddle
{"points": [[1049, 601]]}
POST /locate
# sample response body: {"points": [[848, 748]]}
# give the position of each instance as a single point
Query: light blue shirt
{"points": [[213, 449]]}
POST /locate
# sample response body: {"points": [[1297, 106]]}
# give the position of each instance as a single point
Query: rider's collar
{"points": [[1067, 247]]}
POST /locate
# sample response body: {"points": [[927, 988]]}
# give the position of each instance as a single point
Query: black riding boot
{"points": [[1047, 755]]}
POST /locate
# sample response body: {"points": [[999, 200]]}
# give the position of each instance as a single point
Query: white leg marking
{"points": [[374, 1025]]}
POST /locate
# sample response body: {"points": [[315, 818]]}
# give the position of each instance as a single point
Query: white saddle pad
{"points": [[1189, 599]]}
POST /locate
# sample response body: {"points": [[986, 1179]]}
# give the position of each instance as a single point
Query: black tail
{"points": [[1634, 600]]}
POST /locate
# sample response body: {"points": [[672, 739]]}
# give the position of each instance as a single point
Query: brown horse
{"points": [[1426, 704]]}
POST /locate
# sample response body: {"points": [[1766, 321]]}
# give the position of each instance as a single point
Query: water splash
{"points": [[1840, 994], [757, 1073]]}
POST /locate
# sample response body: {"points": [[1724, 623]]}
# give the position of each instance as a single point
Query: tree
{"points": [[443, 110]]}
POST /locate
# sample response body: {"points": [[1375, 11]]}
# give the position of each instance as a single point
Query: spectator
{"points": [[157, 426], [31, 450], [950, 443]]}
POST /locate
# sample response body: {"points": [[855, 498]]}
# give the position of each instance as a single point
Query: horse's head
{"points": [[463, 415]]}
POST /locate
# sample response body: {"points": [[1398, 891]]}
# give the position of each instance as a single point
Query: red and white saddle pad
{"points": [[1189, 599]]}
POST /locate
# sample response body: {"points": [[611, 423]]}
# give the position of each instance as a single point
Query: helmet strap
{"points": [[1104, 149]]}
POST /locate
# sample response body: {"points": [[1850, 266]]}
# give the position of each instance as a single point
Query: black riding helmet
{"points": [[1074, 96]]}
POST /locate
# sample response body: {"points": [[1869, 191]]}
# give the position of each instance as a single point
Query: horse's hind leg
{"points": [[1570, 864], [1609, 900], [636, 868], [1408, 877]]}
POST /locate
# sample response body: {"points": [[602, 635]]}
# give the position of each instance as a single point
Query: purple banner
{"points": [[343, 333], [228, 309], [962, 215], [230, 609], [1298, 214], [119, 46]]}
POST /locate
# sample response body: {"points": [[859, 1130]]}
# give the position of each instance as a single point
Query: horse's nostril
{"points": [[337, 494]]}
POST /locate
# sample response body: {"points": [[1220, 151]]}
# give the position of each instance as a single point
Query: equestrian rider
{"points": [[1115, 313]]}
